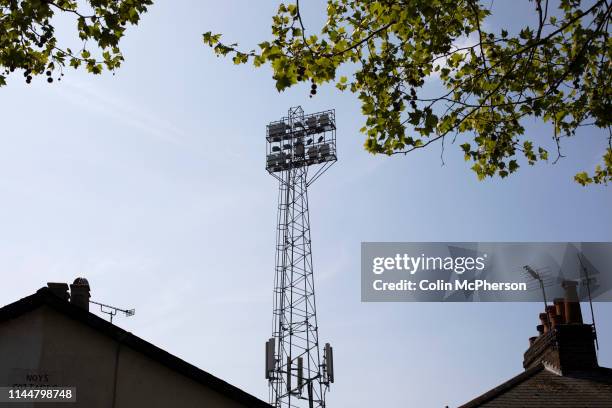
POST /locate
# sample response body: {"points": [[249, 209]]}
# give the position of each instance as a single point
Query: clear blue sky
{"points": [[151, 184]]}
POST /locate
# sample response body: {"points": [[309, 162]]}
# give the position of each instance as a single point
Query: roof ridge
{"points": [[503, 387]]}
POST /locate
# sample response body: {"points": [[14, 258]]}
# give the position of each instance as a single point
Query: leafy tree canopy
{"points": [[557, 69], [28, 42]]}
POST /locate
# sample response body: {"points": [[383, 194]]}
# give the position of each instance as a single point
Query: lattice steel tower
{"points": [[299, 149]]}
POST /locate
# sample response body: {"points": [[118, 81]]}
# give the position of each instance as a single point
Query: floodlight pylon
{"points": [[299, 149]]}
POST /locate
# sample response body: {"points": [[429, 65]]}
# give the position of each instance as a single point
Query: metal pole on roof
{"points": [[588, 285]]}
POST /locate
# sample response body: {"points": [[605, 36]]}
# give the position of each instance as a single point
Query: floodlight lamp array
{"points": [[305, 140]]}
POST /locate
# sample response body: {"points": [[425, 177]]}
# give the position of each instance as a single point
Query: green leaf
{"points": [[391, 52]]}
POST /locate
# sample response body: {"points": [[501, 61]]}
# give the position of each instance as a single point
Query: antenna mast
{"points": [[299, 149], [588, 285]]}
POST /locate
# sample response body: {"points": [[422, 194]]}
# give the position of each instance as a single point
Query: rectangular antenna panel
{"points": [[329, 361], [300, 369], [288, 374], [269, 357]]}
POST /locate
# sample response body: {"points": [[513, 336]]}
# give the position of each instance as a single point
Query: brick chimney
{"points": [[59, 289], [79, 293], [565, 342]]}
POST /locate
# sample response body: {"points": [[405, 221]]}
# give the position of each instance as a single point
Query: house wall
{"points": [[46, 348]]}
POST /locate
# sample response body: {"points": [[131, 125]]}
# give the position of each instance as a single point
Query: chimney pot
{"points": [[552, 316], [80, 293], [560, 309], [544, 320], [555, 321], [573, 314]]}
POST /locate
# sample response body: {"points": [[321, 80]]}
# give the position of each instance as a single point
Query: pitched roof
{"points": [[44, 296], [540, 386]]}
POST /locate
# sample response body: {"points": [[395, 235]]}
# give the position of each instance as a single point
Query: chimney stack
{"points": [[564, 341], [79, 293], [573, 314], [59, 289]]}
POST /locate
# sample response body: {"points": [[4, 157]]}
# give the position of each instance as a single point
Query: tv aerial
{"points": [[540, 276], [112, 311]]}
